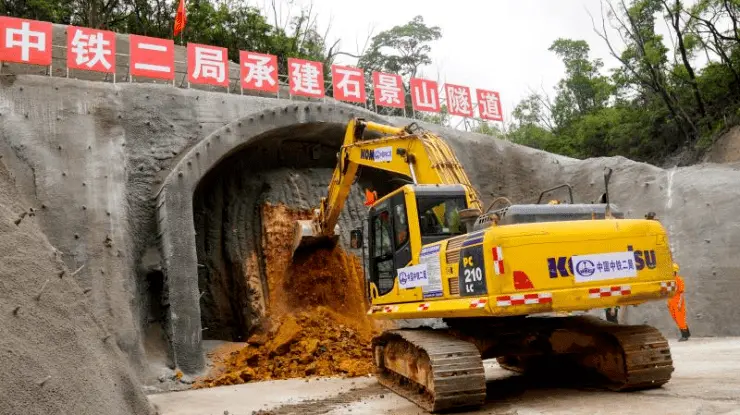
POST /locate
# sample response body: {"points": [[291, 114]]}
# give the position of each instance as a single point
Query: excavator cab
{"points": [[413, 214]]}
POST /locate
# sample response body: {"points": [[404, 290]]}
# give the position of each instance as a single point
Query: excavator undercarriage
{"points": [[442, 369]]}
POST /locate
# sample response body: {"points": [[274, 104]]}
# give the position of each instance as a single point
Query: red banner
{"points": [[259, 71], [208, 65], [91, 50], [25, 41], [152, 57], [388, 89], [30, 42], [424, 95], [489, 105], [459, 101], [348, 83], [306, 78]]}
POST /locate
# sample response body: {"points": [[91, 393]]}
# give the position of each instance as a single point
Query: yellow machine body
{"points": [[527, 268]]}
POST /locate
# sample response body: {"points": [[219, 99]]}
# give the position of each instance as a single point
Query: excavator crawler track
{"points": [[436, 371], [625, 357], [646, 360]]}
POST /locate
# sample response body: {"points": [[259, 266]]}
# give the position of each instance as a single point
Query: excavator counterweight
{"points": [[506, 280]]}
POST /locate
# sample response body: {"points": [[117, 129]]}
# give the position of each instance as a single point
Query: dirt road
{"points": [[706, 381]]}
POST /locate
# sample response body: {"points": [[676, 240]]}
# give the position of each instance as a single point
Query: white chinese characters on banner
{"points": [[152, 57], [259, 71], [93, 50], [388, 90], [489, 105], [348, 83], [29, 41], [24, 40], [207, 65], [306, 78], [424, 95], [458, 100]]}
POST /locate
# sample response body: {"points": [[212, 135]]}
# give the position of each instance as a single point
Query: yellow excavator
{"points": [[505, 280]]}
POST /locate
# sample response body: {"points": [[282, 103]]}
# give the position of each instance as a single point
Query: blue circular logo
{"points": [[402, 277], [585, 268]]}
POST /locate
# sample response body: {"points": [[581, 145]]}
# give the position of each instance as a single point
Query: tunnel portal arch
{"points": [[175, 218]]}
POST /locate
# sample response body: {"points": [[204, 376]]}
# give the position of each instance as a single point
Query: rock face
{"points": [[141, 182], [58, 357]]}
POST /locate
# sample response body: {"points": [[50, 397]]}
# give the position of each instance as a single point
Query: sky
{"points": [[500, 45]]}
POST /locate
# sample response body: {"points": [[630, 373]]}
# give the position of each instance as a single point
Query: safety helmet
{"points": [[676, 268]]}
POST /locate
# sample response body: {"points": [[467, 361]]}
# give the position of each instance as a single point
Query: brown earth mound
{"points": [[317, 323]]}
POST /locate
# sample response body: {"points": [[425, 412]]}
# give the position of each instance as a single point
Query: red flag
{"points": [[180, 18]]}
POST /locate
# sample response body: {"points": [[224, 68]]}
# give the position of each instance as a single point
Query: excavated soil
{"points": [[316, 323]]}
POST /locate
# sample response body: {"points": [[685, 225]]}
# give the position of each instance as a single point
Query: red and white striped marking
{"points": [[479, 303], [521, 299], [498, 260], [423, 307], [668, 286], [384, 309], [614, 291]]}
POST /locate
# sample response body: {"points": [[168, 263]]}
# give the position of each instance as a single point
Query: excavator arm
{"points": [[409, 151]]}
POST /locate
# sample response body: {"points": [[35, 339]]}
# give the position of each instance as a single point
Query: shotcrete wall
{"points": [[101, 163]]}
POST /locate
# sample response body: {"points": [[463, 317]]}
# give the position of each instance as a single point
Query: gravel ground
{"points": [[706, 381]]}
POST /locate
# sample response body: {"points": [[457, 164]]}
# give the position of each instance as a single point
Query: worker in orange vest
{"points": [[370, 197], [677, 306]]}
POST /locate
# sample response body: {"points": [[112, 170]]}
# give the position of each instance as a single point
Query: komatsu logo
{"points": [[563, 266], [382, 154]]}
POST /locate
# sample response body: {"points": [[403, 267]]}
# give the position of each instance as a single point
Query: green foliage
{"points": [[656, 102], [402, 49], [441, 118], [232, 24], [59, 11], [487, 128]]}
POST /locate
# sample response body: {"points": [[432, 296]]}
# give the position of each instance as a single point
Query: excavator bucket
{"points": [[307, 237]]}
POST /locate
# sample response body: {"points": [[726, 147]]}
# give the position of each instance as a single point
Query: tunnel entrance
{"points": [[198, 182], [288, 167]]}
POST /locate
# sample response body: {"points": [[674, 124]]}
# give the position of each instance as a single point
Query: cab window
{"points": [[401, 224], [440, 217], [383, 230], [381, 262]]}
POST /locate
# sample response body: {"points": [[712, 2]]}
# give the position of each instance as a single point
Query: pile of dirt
{"points": [[56, 356], [317, 324], [318, 342]]}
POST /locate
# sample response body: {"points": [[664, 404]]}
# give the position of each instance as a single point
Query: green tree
{"points": [[59, 11], [583, 89], [402, 49]]}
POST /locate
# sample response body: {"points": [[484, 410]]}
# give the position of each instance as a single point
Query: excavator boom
{"points": [[418, 155]]}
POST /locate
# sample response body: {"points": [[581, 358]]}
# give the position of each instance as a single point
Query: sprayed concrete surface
{"points": [[706, 381]]}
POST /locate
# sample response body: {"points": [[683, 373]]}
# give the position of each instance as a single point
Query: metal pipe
{"points": [[413, 174]]}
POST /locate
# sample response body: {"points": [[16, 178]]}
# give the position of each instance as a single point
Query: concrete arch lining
{"points": [[176, 229]]}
